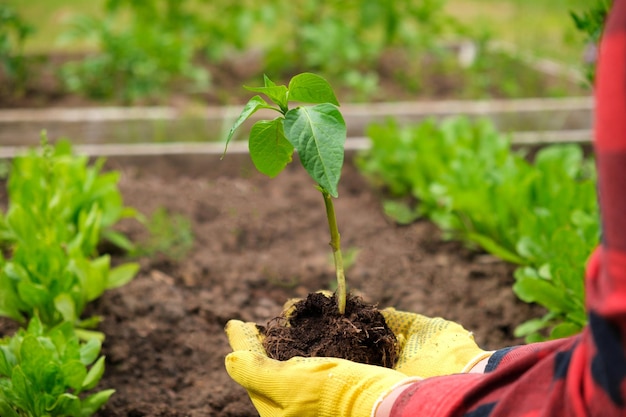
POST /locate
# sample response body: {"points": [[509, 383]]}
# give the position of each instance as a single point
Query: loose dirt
{"points": [[259, 242]]}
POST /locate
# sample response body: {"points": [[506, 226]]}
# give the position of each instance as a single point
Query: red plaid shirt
{"points": [[584, 375]]}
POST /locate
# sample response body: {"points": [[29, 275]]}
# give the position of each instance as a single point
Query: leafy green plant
{"points": [[364, 29], [465, 177], [59, 210], [145, 58], [55, 186], [14, 64], [49, 373], [316, 132]]}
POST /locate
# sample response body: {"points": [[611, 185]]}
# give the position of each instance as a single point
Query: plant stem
{"points": [[336, 246]]}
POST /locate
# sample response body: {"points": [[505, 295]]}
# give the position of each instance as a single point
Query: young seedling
{"points": [[316, 132]]}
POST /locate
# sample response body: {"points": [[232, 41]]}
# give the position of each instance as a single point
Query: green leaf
{"points": [[33, 355], [89, 351], [491, 246], [564, 330], [20, 384], [119, 240], [318, 134], [276, 93], [92, 403], [531, 326], [254, 104], [6, 410], [34, 295], [401, 212], [74, 373], [93, 376], [311, 88], [9, 300], [122, 275], [66, 405], [543, 292], [7, 359], [64, 304], [269, 149], [89, 335]]}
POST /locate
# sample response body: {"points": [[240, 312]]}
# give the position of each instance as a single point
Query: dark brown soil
{"points": [[314, 327], [259, 242]]}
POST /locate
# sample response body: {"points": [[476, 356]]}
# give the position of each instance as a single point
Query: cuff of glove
{"points": [[475, 360], [382, 407]]}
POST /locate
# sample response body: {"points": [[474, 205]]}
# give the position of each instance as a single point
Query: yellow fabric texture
{"points": [[322, 387], [432, 346]]}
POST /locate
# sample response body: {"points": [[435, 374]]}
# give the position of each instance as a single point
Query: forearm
{"points": [[386, 405]]}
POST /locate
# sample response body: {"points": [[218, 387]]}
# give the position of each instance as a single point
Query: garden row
{"points": [[60, 209], [466, 177]]}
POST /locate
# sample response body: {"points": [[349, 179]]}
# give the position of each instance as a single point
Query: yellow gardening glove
{"points": [[322, 387], [432, 346]]}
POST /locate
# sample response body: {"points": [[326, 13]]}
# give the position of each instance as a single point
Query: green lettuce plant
{"points": [[50, 373], [541, 215], [59, 210], [317, 133]]}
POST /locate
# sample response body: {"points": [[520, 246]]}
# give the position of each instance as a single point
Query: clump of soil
{"points": [[314, 327]]}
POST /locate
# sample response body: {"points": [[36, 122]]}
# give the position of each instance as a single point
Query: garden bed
{"points": [[257, 243]]}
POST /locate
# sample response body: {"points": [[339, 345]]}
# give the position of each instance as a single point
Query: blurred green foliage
{"points": [[591, 23], [14, 65], [145, 51], [143, 58], [170, 235], [60, 208]]}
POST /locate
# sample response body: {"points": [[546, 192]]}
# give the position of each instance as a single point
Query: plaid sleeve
{"points": [[584, 375]]}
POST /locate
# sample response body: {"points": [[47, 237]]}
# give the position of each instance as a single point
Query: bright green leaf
{"points": [[311, 88], [64, 304], [530, 327], [491, 246], [93, 376], [66, 405], [7, 359], [92, 403], [34, 295], [74, 373], [318, 134], [543, 292], [276, 93], [564, 330], [269, 149], [122, 275], [89, 351], [254, 104]]}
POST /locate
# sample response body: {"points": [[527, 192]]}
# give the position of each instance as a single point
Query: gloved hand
{"points": [[322, 387], [432, 346], [427, 346]]}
